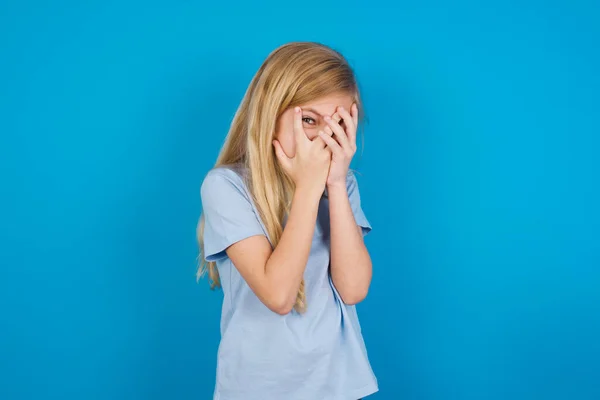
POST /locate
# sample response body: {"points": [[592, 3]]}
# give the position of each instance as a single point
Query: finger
{"points": [[299, 133], [354, 112], [331, 143], [349, 122], [336, 117], [338, 131], [281, 156], [319, 142]]}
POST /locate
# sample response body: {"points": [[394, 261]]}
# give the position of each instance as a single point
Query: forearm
{"points": [[285, 267], [351, 268]]}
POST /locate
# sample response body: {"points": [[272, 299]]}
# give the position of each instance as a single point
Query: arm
{"points": [[275, 276], [351, 267]]}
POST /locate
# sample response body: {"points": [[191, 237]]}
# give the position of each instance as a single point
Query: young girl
{"points": [[282, 233]]}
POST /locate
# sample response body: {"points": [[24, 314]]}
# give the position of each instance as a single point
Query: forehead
{"points": [[327, 105]]}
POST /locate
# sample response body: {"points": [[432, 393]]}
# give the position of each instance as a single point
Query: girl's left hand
{"points": [[343, 147]]}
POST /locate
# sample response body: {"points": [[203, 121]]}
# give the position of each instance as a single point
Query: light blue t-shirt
{"points": [[318, 355]]}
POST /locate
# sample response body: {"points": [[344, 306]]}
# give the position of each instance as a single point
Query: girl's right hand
{"points": [[309, 167]]}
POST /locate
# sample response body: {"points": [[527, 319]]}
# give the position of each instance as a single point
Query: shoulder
{"points": [[223, 184], [223, 176]]}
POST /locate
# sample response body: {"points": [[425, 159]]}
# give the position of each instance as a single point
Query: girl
{"points": [[282, 233]]}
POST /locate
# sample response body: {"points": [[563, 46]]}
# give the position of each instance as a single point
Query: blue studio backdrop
{"points": [[479, 172]]}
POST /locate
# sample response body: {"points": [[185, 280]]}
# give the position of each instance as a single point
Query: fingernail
{"points": [[297, 109], [327, 117], [341, 108]]}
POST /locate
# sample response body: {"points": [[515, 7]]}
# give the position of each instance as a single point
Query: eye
{"points": [[309, 120]]}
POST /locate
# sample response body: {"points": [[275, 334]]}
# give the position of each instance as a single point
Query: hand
{"points": [[310, 165], [343, 147]]}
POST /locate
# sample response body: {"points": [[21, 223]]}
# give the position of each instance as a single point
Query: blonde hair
{"points": [[293, 74]]}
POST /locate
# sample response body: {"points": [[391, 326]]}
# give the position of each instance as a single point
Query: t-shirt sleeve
{"points": [[354, 196], [228, 214]]}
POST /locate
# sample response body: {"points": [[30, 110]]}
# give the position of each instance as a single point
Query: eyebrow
{"points": [[312, 110]]}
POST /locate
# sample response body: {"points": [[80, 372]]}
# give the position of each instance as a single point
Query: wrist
{"points": [[337, 187], [336, 193], [310, 192]]}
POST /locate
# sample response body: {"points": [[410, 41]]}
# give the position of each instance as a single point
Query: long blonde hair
{"points": [[293, 74]]}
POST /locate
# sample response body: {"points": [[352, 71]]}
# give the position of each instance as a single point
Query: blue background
{"points": [[480, 175]]}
